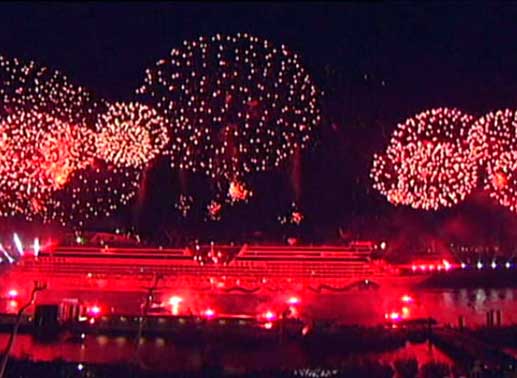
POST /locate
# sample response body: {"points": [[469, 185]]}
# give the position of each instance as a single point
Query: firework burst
{"points": [[38, 155], [57, 148], [428, 163], [28, 86], [237, 104], [130, 135]]}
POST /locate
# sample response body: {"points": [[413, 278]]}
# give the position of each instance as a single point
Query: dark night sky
{"points": [[377, 63]]}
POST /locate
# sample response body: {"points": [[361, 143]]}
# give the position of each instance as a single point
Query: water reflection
{"points": [[422, 352], [165, 354]]}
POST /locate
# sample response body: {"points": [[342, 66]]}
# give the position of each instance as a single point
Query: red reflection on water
{"points": [[171, 357], [423, 353]]}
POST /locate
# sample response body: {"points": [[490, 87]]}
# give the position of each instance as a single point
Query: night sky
{"points": [[377, 64]]}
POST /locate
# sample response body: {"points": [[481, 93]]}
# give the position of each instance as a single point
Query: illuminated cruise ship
{"points": [[220, 268]]}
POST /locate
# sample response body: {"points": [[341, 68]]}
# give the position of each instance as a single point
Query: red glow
{"points": [[13, 293], [13, 303], [394, 316], [406, 299], [268, 325], [500, 180], [269, 315]]}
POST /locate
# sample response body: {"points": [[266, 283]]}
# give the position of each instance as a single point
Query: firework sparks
{"points": [[238, 192], [184, 204], [214, 209], [295, 216]]}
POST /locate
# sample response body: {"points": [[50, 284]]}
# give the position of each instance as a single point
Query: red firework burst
{"points": [[501, 180], [237, 104], [39, 153], [238, 192], [492, 135], [130, 135], [49, 152], [214, 211], [428, 163], [28, 86], [493, 140]]}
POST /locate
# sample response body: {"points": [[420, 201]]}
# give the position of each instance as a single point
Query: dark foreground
{"points": [[363, 368]]}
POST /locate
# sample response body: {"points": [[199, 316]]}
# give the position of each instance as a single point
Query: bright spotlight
{"points": [[209, 313], [293, 300], [8, 256], [94, 310], [18, 243], [175, 300], [36, 247]]}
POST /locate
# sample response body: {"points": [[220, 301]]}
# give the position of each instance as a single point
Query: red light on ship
{"points": [[209, 313], [175, 301], [94, 310], [406, 299], [293, 300], [13, 293], [269, 315]]}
